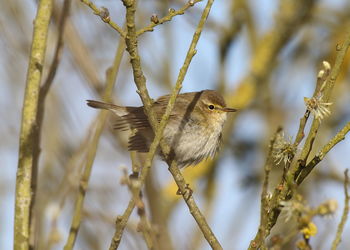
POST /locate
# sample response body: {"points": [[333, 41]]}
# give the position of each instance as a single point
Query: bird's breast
{"points": [[193, 141]]}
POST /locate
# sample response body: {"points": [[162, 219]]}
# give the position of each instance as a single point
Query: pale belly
{"points": [[192, 144]]}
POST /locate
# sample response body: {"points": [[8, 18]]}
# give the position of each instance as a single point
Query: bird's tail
{"points": [[118, 110]]}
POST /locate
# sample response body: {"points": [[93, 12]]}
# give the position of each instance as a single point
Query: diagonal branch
{"points": [[84, 181], [319, 157], [172, 13], [104, 14], [140, 81], [344, 217]]}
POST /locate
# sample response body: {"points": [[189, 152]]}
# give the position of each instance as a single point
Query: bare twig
{"points": [[344, 217], [120, 223], [28, 134], [104, 14], [326, 148], [327, 92], [172, 13], [264, 208]]}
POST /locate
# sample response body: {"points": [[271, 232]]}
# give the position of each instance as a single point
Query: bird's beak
{"points": [[228, 110]]}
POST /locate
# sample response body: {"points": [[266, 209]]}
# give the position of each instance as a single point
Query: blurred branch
{"points": [[344, 217], [58, 51], [28, 134], [82, 57], [172, 13], [237, 20], [72, 168], [104, 14], [44, 89], [83, 184], [290, 16]]}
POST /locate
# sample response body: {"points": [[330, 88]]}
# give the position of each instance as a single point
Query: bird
{"points": [[193, 131]]}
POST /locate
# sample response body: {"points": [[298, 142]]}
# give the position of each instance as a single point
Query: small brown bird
{"points": [[193, 130]]}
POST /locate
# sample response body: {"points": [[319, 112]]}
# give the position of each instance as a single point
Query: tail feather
{"points": [[100, 105], [118, 110], [130, 117]]}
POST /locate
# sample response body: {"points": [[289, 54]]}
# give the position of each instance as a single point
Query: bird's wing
{"points": [[140, 141], [134, 118]]}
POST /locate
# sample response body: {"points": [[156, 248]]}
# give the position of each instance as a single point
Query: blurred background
{"points": [[263, 56]]}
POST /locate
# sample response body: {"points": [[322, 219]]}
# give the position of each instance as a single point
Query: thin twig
{"points": [[28, 135], [326, 148], [264, 208], [300, 134], [104, 14], [120, 224], [327, 92], [83, 184], [193, 208], [144, 225], [344, 217], [172, 13]]}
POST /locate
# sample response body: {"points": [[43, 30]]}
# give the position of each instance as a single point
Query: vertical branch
{"points": [[44, 89], [83, 184], [27, 141], [345, 212], [264, 195]]}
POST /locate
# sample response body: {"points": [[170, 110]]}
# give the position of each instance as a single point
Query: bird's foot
{"points": [[187, 193]]}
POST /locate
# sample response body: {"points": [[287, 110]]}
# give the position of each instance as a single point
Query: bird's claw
{"points": [[188, 192]]}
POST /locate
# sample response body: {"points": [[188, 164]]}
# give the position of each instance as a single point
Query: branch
{"points": [[345, 212], [264, 195], [140, 81], [83, 184], [144, 225], [104, 14], [120, 224], [28, 134], [44, 89], [172, 13], [319, 157]]}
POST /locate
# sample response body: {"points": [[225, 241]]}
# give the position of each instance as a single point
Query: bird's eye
{"points": [[211, 107]]}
